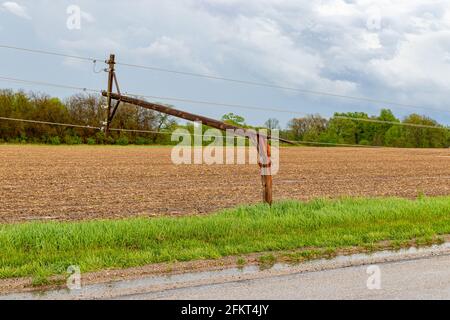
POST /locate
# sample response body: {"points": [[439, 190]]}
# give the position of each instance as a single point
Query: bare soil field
{"points": [[84, 182]]}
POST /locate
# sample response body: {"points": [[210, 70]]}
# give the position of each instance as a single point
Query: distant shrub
{"points": [[91, 141], [364, 143], [100, 137], [55, 141], [141, 141], [123, 141], [71, 140], [23, 138]]}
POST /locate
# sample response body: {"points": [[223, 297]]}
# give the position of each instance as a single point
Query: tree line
{"points": [[88, 110], [383, 130], [79, 109]]}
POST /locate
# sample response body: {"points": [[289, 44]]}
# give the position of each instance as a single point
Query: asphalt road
{"points": [[413, 279], [406, 274]]}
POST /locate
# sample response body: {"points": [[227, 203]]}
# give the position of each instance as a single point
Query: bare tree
{"points": [[311, 123], [272, 124]]}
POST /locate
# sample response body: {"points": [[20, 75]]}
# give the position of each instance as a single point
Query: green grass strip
{"points": [[45, 249]]}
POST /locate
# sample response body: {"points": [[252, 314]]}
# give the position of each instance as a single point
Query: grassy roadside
{"points": [[41, 250]]}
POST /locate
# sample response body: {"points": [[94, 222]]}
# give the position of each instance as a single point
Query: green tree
{"points": [[234, 120], [419, 137], [379, 130]]}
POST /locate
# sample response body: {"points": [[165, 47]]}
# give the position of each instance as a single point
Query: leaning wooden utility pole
{"points": [[265, 164], [261, 141]]}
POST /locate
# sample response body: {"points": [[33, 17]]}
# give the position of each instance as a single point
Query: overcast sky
{"points": [[389, 50]]}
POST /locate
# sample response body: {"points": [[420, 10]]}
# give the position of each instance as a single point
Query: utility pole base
{"points": [[267, 189]]}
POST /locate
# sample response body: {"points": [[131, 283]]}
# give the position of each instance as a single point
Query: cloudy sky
{"points": [[387, 50]]}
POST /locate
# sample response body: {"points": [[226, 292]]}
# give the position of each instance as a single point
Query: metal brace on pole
{"points": [[112, 80]]}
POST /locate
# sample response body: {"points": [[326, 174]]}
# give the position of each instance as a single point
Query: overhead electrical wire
{"points": [[51, 53], [240, 106], [170, 133], [220, 104], [268, 85], [50, 123], [405, 124], [83, 126], [232, 80], [2, 78], [48, 84]]}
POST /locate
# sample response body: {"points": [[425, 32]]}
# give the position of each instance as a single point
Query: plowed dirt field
{"points": [[80, 183]]}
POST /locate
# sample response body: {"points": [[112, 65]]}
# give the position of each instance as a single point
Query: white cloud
{"points": [[87, 16], [174, 52], [371, 41], [336, 8], [16, 9], [101, 44], [421, 61], [386, 49], [260, 44], [165, 46]]}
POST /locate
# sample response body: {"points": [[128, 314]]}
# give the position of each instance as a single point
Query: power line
{"points": [[240, 106], [49, 123], [220, 104], [298, 142], [95, 128], [406, 124], [48, 84], [268, 85], [201, 102], [170, 133], [79, 126], [163, 133], [51, 53], [232, 80], [331, 144], [211, 136]]}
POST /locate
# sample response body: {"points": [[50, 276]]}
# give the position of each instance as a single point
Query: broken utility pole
{"points": [[260, 140], [265, 165]]}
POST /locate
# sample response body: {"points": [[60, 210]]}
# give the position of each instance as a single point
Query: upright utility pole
{"points": [[111, 74]]}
